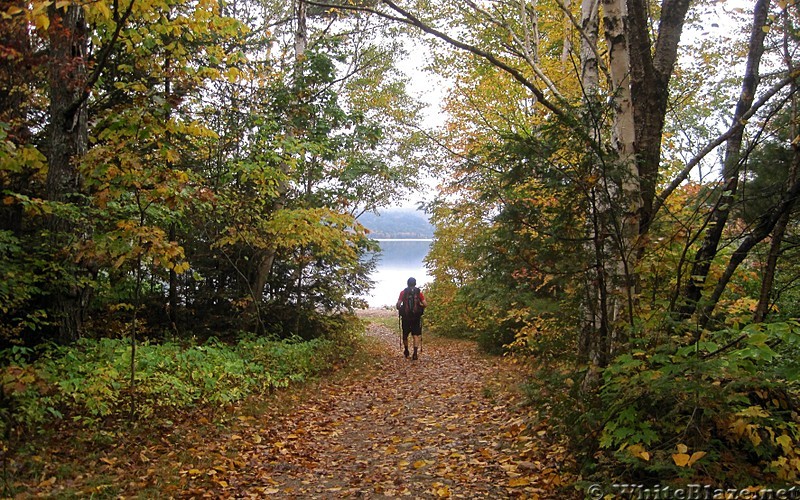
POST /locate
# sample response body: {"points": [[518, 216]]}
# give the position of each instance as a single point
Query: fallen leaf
{"points": [[516, 482], [443, 492], [680, 459], [695, 457]]}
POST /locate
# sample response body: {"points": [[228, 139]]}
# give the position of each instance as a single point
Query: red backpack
{"points": [[411, 305]]}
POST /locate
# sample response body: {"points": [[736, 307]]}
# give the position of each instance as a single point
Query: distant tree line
{"points": [[397, 224]]}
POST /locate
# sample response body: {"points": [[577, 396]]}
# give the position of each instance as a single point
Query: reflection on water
{"points": [[399, 260]]}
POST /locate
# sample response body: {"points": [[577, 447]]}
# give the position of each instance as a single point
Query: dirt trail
{"points": [[436, 427]]}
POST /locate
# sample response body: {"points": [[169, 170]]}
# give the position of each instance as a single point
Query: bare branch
{"points": [[406, 17], [526, 54], [734, 128]]}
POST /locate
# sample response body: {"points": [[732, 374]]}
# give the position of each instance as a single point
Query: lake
{"points": [[398, 261]]}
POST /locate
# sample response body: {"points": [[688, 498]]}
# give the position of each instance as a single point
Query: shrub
{"points": [[719, 408]]}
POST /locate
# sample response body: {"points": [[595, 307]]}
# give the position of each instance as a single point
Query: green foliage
{"points": [[732, 394], [89, 382], [20, 279], [507, 254]]}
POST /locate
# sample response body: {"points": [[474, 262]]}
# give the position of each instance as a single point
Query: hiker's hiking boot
{"points": [[415, 354], [405, 352]]}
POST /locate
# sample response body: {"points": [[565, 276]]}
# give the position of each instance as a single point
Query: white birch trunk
{"points": [[615, 198], [590, 77], [622, 186]]}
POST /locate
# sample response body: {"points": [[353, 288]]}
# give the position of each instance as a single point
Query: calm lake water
{"points": [[399, 260]]}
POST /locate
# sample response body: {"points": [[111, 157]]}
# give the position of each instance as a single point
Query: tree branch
{"points": [[735, 128], [577, 25], [407, 18], [102, 58]]}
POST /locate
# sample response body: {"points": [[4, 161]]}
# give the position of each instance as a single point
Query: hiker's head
{"points": [[411, 282]]}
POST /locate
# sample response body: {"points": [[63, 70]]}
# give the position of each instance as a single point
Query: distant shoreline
{"points": [[403, 239]]}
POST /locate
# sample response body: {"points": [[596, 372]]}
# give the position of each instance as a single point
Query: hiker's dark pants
{"points": [[412, 326]]}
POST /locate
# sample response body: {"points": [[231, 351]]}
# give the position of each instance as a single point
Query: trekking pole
{"points": [[400, 329]]}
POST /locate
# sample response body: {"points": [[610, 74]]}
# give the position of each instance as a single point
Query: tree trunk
{"points": [[68, 142], [719, 215], [608, 279], [593, 332], [651, 71], [590, 76], [764, 227], [768, 280], [640, 77], [267, 258]]}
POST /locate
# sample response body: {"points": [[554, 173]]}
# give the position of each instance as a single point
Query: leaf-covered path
{"points": [[438, 427], [449, 425]]}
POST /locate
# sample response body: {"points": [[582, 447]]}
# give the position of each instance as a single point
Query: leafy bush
{"points": [[720, 408]]}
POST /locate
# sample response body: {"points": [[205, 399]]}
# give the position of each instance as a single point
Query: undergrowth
{"points": [[89, 383]]}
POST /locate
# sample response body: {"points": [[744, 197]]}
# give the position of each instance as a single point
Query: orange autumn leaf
{"points": [[680, 459], [685, 460]]}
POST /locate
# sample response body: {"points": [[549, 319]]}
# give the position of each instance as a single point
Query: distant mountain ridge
{"points": [[397, 223]]}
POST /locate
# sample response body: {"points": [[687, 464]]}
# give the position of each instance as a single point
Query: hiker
{"points": [[411, 304]]}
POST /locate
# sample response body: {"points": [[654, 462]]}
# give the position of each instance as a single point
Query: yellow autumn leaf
{"points": [[682, 448], [233, 74], [103, 9], [42, 22], [755, 438], [754, 411], [638, 451], [420, 464], [680, 459], [785, 442], [738, 427], [695, 457], [443, 492]]}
